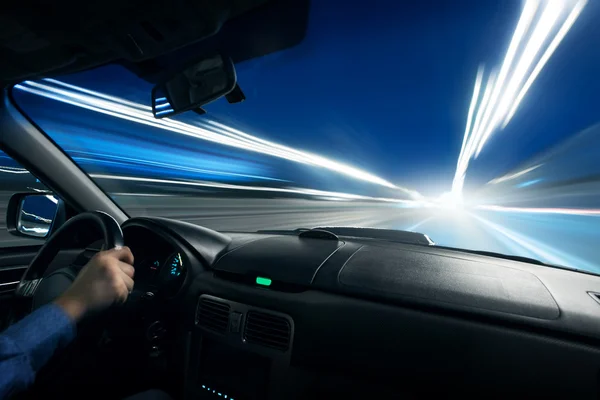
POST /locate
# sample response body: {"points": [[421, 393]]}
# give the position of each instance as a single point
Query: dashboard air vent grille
{"points": [[267, 330], [213, 314]]}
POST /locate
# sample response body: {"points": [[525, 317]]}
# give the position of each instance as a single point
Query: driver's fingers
{"points": [[122, 254], [125, 287], [127, 269], [127, 281], [122, 296]]}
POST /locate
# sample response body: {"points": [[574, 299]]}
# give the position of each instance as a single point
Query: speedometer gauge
{"points": [[172, 274], [175, 265]]}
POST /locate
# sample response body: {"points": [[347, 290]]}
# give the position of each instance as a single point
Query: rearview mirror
{"points": [[33, 215], [193, 87]]}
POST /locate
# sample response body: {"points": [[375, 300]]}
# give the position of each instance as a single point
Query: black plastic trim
{"points": [[27, 144]]}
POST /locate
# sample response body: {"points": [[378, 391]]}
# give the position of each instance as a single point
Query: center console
{"points": [[239, 351]]}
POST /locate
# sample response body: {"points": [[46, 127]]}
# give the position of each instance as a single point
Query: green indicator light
{"points": [[263, 281]]}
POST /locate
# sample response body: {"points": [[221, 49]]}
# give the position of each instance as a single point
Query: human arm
{"points": [[27, 345]]}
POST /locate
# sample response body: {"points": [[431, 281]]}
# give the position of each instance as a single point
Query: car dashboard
{"points": [[259, 315], [159, 266]]}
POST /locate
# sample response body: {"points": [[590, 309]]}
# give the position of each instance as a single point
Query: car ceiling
{"points": [[41, 40]]}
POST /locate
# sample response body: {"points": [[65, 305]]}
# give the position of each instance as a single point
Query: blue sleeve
{"points": [[27, 345]]}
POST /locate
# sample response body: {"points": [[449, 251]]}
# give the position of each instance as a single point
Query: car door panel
{"points": [[13, 263]]}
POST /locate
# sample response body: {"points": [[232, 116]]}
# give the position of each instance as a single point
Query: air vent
{"points": [[213, 314], [267, 330]]}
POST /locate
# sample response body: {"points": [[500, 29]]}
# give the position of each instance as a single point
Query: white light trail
{"points": [[312, 159], [522, 26], [100, 95], [418, 224], [52, 198], [459, 179], [217, 185], [212, 131], [485, 111], [35, 230], [535, 29], [545, 57], [37, 217], [532, 48], [515, 175], [542, 210], [13, 170], [485, 102], [474, 98]]}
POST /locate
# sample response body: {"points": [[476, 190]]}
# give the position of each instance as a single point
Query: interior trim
{"points": [[27, 144]]}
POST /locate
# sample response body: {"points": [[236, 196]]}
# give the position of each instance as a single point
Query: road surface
{"points": [[569, 240]]}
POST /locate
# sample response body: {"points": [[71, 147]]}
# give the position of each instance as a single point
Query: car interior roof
{"points": [[143, 36]]}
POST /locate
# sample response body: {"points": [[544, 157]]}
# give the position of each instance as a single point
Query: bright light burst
{"points": [[541, 27]]}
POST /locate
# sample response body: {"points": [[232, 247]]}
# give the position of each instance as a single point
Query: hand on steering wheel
{"points": [[106, 279]]}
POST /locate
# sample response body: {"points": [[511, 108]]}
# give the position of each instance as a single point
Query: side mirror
{"points": [[34, 215], [205, 81]]}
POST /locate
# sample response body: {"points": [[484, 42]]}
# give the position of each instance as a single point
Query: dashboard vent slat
{"points": [[213, 314], [267, 330]]}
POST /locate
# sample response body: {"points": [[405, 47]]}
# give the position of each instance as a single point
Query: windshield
{"points": [[474, 122]]}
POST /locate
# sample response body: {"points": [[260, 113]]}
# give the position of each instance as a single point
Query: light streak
{"points": [[485, 111], [100, 95], [37, 217], [533, 30], [474, 98], [217, 185], [485, 102], [170, 110], [545, 57], [52, 198], [522, 26], [212, 131], [13, 170], [312, 159], [35, 230], [542, 210], [534, 45], [418, 224], [529, 183], [141, 194], [515, 175]]}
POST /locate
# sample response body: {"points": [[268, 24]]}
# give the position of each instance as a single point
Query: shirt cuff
{"points": [[41, 333]]}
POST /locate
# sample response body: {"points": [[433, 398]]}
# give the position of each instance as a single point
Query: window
{"points": [[14, 178]]}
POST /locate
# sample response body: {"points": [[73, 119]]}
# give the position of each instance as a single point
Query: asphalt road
{"points": [[568, 240]]}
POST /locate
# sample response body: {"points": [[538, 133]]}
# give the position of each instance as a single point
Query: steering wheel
{"points": [[41, 290]]}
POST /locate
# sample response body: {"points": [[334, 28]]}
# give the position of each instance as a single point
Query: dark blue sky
{"points": [[386, 85]]}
